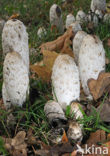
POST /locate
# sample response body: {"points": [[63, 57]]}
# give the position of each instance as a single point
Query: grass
{"points": [[35, 14]]}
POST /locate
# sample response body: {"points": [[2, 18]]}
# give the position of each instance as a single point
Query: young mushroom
{"points": [[56, 17], [15, 80], [65, 80], [77, 41], [69, 20], [41, 32], [55, 114], [15, 38], [74, 132], [81, 16], [76, 26], [91, 60]]}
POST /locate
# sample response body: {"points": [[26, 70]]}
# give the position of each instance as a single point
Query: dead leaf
{"points": [[14, 16], [100, 86], [61, 44], [107, 60], [17, 145], [49, 58], [42, 72], [44, 68], [98, 136], [64, 137], [74, 153], [104, 110]]}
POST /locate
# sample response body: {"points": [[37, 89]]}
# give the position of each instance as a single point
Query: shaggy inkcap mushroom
{"points": [[56, 17], [54, 114], [15, 38], [69, 20], [81, 17], [65, 80], [91, 60], [98, 4], [41, 32], [15, 80], [76, 27], [107, 18], [77, 41], [75, 110], [74, 132], [99, 14]]}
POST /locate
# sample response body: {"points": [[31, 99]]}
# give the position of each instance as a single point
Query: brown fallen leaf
{"points": [[49, 58], [61, 44], [17, 145], [64, 137], [42, 72], [100, 86], [14, 16], [44, 68], [95, 137], [104, 110]]}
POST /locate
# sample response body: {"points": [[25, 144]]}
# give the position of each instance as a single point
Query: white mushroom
{"points": [[41, 32], [77, 41], [75, 110], [56, 17], [91, 60], [74, 132], [65, 80], [98, 4], [15, 38], [69, 20], [76, 27], [54, 111], [99, 14], [81, 17], [107, 18], [15, 80]]}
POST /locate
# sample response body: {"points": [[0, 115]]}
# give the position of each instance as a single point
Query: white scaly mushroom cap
{"points": [[75, 110], [15, 79], [99, 14], [98, 4], [77, 41], [91, 60], [53, 110], [41, 32], [81, 16], [65, 80], [56, 17], [69, 20], [76, 27], [15, 38], [75, 131], [106, 18]]}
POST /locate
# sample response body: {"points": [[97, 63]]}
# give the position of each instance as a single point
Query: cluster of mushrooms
{"points": [[67, 73]]}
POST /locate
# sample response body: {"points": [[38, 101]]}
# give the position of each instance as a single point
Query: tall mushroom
{"points": [[77, 41], [91, 60], [15, 80], [65, 80], [15, 38], [56, 17], [69, 20], [76, 26]]}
